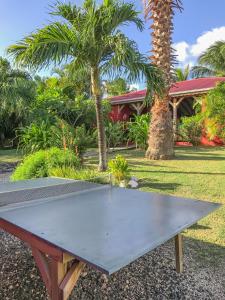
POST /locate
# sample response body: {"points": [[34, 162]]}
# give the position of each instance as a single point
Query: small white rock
{"points": [[133, 183]]}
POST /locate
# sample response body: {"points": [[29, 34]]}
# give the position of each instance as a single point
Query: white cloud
{"points": [[207, 39], [181, 51], [134, 86], [188, 53]]}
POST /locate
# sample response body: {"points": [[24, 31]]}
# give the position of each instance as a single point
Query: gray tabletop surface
{"points": [[107, 227]]}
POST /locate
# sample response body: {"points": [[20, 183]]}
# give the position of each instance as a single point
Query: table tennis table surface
{"points": [[105, 226]]}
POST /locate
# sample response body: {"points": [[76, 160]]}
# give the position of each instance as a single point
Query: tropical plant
{"points": [[182, 74], [89, 37], [17, 91], [117, 86], [138, 131], [119, 168], [215, 111], [161, 12], [114, 134], [191, 129], [34, 137], [74, 82], [44, 135], [87, 174], [39, 164], [76, 139], [211, 62]]}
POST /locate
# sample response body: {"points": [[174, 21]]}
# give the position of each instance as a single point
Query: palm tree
{"points": [[182, 74], [16, 88], [160, 144], [211, 62], [90, 37]]}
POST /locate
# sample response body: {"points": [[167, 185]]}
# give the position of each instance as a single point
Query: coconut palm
{"points": [[90, 37], [182, 74], [160, 145], [211, 62]]}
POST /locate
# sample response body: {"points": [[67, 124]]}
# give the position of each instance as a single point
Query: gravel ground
{"points": [[150, 277]]}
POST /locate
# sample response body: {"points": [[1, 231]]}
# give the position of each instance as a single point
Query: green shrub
{"points": [[191, 129], [138, 131], [77, 139], [40, 163], [114, 134], [87, 174], [119, 168], [36, 136], [215, 111], [44, 135]]}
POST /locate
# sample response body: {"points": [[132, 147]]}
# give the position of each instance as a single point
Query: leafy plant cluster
{"points": [[215, 111], [40, 163], [40, 136], [138, 130], [119, 168], [191, 128]]}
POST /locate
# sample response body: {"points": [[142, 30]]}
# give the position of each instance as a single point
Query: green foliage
{"points": [[90, 36], [77, 139], [215, 110], [119, 168], [86, 174], [211, 62], [182, 74], [36, 136], [39, 164], [191, 128], [138, 130], [117, 86], [17, 92], [40, 136], [114, 133]]}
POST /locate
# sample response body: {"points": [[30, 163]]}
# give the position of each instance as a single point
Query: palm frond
{"points": [[126, 60], [67, 11], [213, 59], [202, 71], [148, 4], [52, 44]]}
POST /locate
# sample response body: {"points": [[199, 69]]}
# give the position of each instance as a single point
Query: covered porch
{"points": [[183, 97]]}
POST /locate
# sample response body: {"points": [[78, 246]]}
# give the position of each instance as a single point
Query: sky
{"points": [[201, 23]]}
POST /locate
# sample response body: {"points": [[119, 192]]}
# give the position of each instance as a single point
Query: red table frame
{"points": [[59, 269]]}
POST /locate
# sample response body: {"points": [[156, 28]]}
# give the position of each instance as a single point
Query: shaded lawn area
{"points": [[10, 156], [194, 173]]}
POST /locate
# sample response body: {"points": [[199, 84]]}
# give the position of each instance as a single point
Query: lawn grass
{"points": [[10, 156], [194, 173]]}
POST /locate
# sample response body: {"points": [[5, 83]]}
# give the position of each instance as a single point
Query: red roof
{"points": [[192, 86]]}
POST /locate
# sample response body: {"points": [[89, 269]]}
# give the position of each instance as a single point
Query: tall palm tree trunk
{"points": [[96, 91], [161, 143]]}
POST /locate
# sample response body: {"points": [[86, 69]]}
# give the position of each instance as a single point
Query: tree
{"points": [[90, 37], [182, 74], [211, 62], [160, 144], [215, 111], [117, 87], [74, 82], [16, 90]]}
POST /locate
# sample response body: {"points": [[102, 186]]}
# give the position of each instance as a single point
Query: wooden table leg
{"points": [[59, 277], [58, 271], [179, 253]]}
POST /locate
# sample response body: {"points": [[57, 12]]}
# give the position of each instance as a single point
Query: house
{"points": [[183, 95]]}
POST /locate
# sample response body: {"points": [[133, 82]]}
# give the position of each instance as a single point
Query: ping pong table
{"points": [[69, 223]]}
